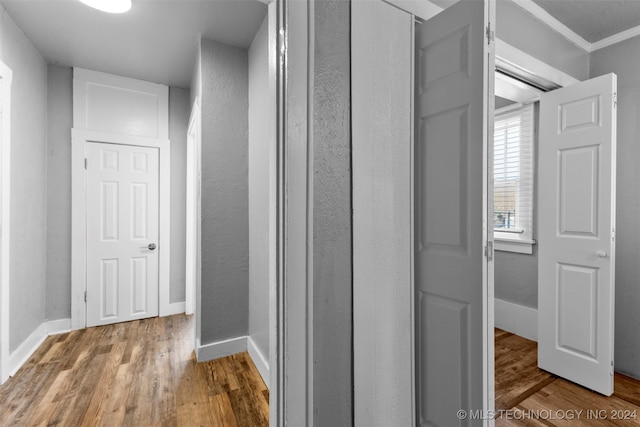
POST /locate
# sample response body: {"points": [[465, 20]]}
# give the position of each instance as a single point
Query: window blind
{"points": [[513, 173]]}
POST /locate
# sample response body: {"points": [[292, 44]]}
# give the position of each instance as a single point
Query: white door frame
{"points": [[80, 138], [291, 351], [5, 236], [194, 167]]}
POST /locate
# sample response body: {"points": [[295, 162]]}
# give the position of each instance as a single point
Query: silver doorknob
{"points": [[151, 247], [601, 254]]}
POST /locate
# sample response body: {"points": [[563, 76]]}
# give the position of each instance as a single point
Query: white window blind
{"points": [[513, 174]]}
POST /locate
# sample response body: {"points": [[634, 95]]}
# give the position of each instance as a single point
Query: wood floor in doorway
{"points": [[140, 373], [529, 396]]}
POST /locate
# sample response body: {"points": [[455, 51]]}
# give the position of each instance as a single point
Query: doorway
{"points": [[574, 328], [81, 141], [99, 118]]}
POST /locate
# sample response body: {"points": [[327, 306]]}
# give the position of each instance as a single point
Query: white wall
{"points": [[261, 132], [28, 180]]}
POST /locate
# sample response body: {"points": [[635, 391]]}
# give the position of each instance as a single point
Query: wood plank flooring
{"points": [[529, 396], [140, 373]]}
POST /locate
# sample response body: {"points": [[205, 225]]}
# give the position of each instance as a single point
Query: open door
{"points": [[576, 258], [453, 94]]}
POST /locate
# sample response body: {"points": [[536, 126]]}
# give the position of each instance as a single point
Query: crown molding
{"points": [[569, 34], [616, 38]]}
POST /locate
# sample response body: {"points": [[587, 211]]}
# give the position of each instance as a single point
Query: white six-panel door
{"points": [[122, 230], [450, 196], [576, 232]]}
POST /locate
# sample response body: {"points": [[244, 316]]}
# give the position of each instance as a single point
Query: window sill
{"points": [[519, 246]]}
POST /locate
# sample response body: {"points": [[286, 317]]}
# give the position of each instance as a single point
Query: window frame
{"points": [[520, 242]]}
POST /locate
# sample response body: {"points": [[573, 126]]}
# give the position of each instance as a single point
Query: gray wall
{"points": [[520, 29], [28, 181], [60, 119], [260, 132], [224, 290], [624, 60], [332, 256], [179, 111]]}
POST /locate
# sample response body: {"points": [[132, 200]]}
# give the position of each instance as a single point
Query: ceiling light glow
{"points": [[110, 6]]}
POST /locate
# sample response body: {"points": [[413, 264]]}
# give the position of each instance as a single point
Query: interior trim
{"points": [[525, 67], [616, 38], [569, 34], [79, 139]]}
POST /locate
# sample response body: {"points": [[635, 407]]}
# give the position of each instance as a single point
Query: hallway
{"points": [[138, 373]]}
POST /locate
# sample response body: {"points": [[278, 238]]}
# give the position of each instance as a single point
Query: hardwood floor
{"points": [[140, 373], [528, 396]]}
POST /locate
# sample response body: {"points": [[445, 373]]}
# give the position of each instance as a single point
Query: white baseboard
{"points": [[220, 349], [259, 360], [517, 319], [27, 348], [59, 326], [173, 308], [33, 341]]}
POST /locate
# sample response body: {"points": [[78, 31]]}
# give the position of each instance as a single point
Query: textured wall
{"points": [[260, 140], [224, 290], [332, 269], [28, 181], [624, 60]]}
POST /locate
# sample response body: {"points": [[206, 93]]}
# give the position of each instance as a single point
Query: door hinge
{"points": [[615, 99], [490, 34], [85, 296], [488, 251], [85, 163]]}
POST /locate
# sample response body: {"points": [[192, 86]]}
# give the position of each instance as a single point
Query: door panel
{"points": [[451, 119], [122, 220], [383, 291], [576, 258]]}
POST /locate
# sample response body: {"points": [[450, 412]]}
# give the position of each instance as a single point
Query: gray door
{"points": [[451, 188]]}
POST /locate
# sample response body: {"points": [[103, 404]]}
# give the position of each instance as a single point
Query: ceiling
{"points": [[155, 41], [594, 20]]}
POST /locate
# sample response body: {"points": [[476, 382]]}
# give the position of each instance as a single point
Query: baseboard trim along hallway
{"points": [[33, 341]]}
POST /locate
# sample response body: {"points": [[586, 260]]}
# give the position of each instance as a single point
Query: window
{"points": [[513, 179]]}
